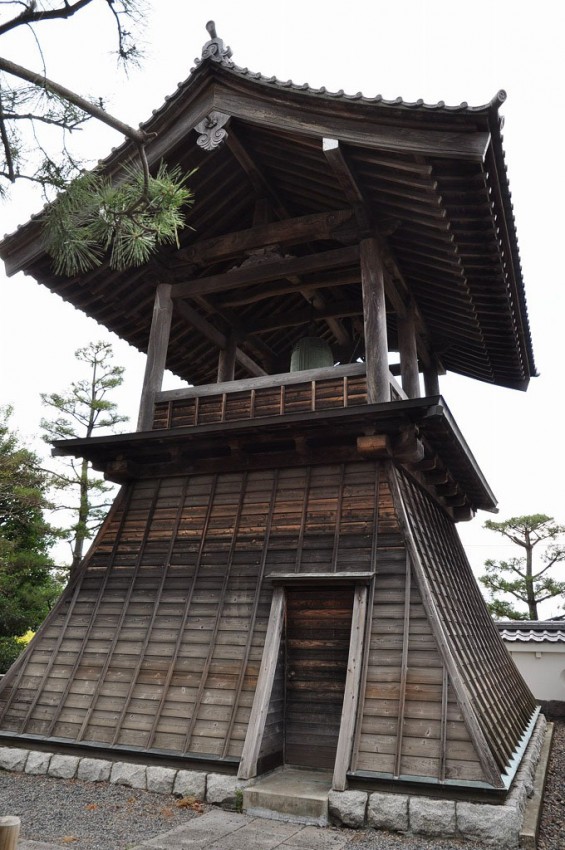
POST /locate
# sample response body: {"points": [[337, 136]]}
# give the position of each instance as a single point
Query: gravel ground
{"points": [[101, 816], [552, 828]]}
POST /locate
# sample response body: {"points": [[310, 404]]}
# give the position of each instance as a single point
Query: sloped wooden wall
{"points": [[158, 641]]}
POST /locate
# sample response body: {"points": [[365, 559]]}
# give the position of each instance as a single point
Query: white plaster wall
{"points": [[543, 667]]}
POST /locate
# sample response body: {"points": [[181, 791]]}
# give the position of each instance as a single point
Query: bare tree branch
{"points": [[31, 16], [44, 82]]}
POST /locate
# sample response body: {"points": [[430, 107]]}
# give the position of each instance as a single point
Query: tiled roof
{"points": [[551, 631]]}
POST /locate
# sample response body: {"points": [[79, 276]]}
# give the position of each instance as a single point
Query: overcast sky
{"points": [[433, 50]]}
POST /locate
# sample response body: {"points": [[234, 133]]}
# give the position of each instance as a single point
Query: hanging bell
{"points": [[311, 352]]}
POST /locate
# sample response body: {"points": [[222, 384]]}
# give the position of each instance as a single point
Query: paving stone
{"points": [[161, 779], [13, 758], [388, 811], [94, 770], [348, 807], [495, 826], [38, 763], [63, 767], [318, 838], [190, 783], [431, 817], [131, 775]]}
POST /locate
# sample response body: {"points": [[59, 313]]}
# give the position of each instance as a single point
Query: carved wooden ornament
{"points": [[210, 129]]}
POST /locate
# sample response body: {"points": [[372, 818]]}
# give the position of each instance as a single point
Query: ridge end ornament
{"points": [[215, 49], [210, 129]]}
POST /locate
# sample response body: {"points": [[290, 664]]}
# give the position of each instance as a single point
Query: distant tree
{"points": [[29, 583], [82, 410], [519, 577], [126, 219]]}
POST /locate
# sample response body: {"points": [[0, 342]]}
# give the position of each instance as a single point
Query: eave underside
{"points": [[441, 218]]}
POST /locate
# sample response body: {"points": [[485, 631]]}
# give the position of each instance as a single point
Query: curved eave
{"points": [[476, 320]]}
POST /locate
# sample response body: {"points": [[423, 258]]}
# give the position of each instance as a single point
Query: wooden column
{"points": [[260, 708], [9, 832], [431, 381], [374, 317], [156, 355], [226, 360], [351, 694], [408, 351]]}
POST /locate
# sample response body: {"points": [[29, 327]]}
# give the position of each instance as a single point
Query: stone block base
{"points": [[494, 826]]}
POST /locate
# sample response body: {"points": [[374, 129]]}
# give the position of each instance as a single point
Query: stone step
{"points": [[291, 794]]}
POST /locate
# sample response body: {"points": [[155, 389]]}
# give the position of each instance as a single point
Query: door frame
{"points": [[270, 657]]}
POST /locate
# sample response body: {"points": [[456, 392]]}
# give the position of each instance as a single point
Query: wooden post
{"points": [[351, 693], [226, 360], [374, 317], [156, 355], [431, 381], [408, 354], [258, 717], [9, 832]]}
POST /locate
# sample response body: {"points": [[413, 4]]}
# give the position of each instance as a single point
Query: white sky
{"points": [[435, 50]]}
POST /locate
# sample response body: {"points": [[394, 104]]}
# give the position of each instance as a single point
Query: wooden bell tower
{"points": [[280, 579]]}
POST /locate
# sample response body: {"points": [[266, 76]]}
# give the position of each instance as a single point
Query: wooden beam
{"points": [[294, 318], [290, 231], [293, 118], [262, 186], [273, 290], [285, 267], [410, 377], [431, 380], [217, 337], [226, 360], [260, 708], [351, 692], [374, 319], [156, 355]]}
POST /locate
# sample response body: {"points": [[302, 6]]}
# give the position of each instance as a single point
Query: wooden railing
{"points": [[273, 395]]}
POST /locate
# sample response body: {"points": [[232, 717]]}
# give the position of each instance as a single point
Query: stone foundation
{"points": [[496, 826]]}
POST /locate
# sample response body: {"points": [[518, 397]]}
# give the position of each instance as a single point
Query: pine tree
{"points": [[519, 577], [83, 409]]}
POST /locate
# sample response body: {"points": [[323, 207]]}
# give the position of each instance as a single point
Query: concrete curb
{"points": [[532, 812]]}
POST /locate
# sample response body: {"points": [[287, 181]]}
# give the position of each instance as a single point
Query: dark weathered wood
{"points": [[217, 337], [250, 384], [291, 118], [226, 360], [290, 231], [431, 381], [484, 753], [156, 354], [285, 267], [403, 668], [408, 350], [374, 319], [351, 694], [314, 690], [258, 717]]}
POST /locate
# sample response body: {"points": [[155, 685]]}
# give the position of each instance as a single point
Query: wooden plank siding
{"points": [[159, 641], [163, 644], [502, 703], [408, 726]]}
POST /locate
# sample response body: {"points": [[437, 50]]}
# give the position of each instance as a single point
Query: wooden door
{"points": [[318, 630]]}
